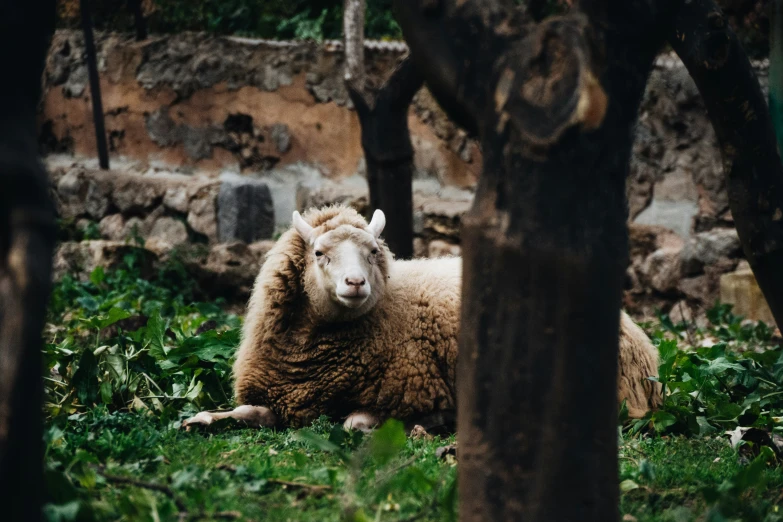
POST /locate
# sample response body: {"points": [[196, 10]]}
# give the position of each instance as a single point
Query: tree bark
{"points": [[27, 235], [138, 19], [353, 30], [386, 141], [545, 243], [95, 85], [388, 151], [708, 47]]}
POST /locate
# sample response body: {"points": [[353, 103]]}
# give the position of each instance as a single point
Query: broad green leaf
{"points": [[662, 420], [85, 379], [628, 485], [387, 441], [106, 392], [97, 276], [154, 337]]}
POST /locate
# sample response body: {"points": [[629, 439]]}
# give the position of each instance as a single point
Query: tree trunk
{"points": [[27, 237], [353, 31], [95, 85], [545, 244], [134, 6], [708, 47], [389, 153]]}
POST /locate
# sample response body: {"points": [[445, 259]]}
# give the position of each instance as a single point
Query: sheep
{"points": [[335, 326]]}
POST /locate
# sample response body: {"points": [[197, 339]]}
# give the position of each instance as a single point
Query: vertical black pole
{"points": [[138, 16], [95, 86]]}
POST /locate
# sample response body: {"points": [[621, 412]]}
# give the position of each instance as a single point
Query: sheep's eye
{"points": [[374, 251], [318, 253]]}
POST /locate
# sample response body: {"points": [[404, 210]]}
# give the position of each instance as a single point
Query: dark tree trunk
{"points": [[26, 241], [138, 18], [710, 50], [388, 151], [95, 85], [545, 244]]}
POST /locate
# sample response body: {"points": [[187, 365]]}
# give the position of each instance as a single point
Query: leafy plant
{"points": [[126, 343], [718, 387]]}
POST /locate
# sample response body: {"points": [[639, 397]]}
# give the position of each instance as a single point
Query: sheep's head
{"points": [[346, 266]]}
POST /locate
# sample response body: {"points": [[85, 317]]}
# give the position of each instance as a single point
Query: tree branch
{"points": [[708, 47], [353, 29]]}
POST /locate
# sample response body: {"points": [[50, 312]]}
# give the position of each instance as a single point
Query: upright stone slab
{"points": [[740, 289], [245, 209]]}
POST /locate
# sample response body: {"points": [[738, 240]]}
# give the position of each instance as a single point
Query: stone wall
{"points": [[191, 103], [231, 123]]}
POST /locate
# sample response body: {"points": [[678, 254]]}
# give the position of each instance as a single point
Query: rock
{"points": [[442, 217], [681, 312], [676, 186], [135, 228], [113, 227], [172, 231], [202, 215], [674, 215], [741, 290], [229, 269], [699, 289], [646, 239], [245, 210], [80, 258], [176, 198], [78, 195], [285, 184], [161, 128], [440, 248], [352, 191], [281, 137], [707, 248], [418, 432], [134, 194], [661, 269]]}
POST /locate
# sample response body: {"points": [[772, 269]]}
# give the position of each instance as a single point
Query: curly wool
{"points": [[397, 360]]}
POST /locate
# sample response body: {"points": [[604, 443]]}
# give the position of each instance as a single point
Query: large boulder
{"points": [[707, 248]]}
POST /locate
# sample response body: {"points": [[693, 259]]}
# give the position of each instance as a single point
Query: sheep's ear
{"points": [[377, 223], [301, 226]]}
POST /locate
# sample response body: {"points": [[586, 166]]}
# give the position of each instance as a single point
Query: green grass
{"points": [[254, 472], [130, 355]]}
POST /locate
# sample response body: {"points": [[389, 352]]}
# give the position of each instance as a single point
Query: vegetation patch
{"points": [[128, 358]]}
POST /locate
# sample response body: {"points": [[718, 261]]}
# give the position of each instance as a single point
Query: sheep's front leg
{"points": [[361, 421], [253, 416]]}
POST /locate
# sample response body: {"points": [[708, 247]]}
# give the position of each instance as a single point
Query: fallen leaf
{"points": [[628, 485], [755, 439], [418, 432], [443, 451]]}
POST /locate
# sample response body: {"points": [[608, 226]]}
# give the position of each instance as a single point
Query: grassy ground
{"points": [[129, 356]]}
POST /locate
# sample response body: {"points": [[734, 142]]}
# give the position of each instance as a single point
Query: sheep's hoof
{"points": [[252, 416], [360, 421]]}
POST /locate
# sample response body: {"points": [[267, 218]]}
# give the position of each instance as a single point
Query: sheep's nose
{"points": [[354, 281]]}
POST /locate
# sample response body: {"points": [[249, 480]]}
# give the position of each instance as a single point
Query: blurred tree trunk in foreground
{"points": [[554, 104], [27, 235]]}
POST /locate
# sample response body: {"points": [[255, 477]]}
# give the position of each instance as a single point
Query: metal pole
{"points": [[95, 86]]}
